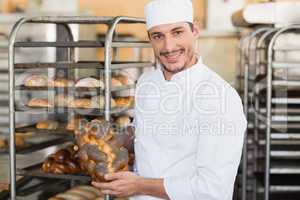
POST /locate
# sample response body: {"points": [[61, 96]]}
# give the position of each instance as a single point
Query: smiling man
{"points": [[189, 123]]}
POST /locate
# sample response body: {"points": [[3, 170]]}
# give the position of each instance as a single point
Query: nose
{"points": [[169, 44]]}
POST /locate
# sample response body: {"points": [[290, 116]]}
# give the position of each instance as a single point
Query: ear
{"points": [[196, 30]]}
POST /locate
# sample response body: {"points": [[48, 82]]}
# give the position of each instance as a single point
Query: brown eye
{"points": [[156, 37], [177, 33]]}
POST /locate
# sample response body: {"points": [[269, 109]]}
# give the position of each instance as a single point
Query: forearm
{"points": [[152, 187]]}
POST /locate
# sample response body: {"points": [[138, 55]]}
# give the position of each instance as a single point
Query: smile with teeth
{"points": [[173, 56]]}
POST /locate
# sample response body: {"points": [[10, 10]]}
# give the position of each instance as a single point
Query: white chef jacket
{"points": [[189, 131]]}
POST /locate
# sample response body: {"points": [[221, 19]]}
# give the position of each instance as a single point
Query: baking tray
{"points": [[84, 65], [80, 111], [61, 130], [35, 171], [39, 142], [75, 89]]}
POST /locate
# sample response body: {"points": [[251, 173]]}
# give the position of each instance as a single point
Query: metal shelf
{"points": [[65, 51], [279, 118], [82, 44], [286, 136], [36, 171], [285, 170], [286, 48], [80, 111], [281, 188], [285, 100], [285, 65], [31, 147], [60, 131], [74, 89], [84, 20], [84, 65], [286, 154]]}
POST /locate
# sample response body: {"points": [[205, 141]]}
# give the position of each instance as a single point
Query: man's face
{"points": [[173, 45]]}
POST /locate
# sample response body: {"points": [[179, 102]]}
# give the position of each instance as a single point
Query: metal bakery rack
{"points": [[271, 99], [67, 62], [3, 82]]}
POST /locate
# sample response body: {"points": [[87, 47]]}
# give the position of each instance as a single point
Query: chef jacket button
{"points": [[135, 140]]}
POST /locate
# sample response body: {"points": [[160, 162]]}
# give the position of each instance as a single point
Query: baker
{"points": [[189, 123]]}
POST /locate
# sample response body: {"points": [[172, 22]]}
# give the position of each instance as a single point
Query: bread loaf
{"points": [[19, 141], [68, 196], [36, 80], [63, 100], [122, 121], [81, 103], [89, 82], [124, 79], [64, 161], [115, 82], [124, 101], [3, 143], [40, 103], [61, 82], [86, 194], [98, 150], [47, 125]]}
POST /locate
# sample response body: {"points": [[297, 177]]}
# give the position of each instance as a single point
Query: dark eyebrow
{"points": [[177, 28], [172, 30], [155, 33]]}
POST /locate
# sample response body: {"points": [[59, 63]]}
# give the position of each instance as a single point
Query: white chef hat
{"points": [[160, 12]]}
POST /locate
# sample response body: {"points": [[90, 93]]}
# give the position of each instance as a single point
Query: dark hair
{"points": [[191, 25]]}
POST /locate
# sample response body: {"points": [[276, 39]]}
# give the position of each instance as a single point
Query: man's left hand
{"points": [[121, 184]]}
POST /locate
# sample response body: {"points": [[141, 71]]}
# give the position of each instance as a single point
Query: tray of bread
{"points": [[54, 127], [93, 106], [119, 81], [30, 141]]}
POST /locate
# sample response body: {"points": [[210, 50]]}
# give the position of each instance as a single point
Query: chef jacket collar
{"points": [[182, 74]]}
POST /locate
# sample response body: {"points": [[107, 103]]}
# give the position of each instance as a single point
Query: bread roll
{"points": [[115, 82], [82, 192], [37, 80], [122, 121], [56, 198], [41, 103], [90, 82], [63, 100], [47, 124], [67, 196], [124, 101], [99, 102], [3, 143], [19, 141], [61, 82], [96, 102], [81, 103], [125, 80], [96, 191], [63, 161]]}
